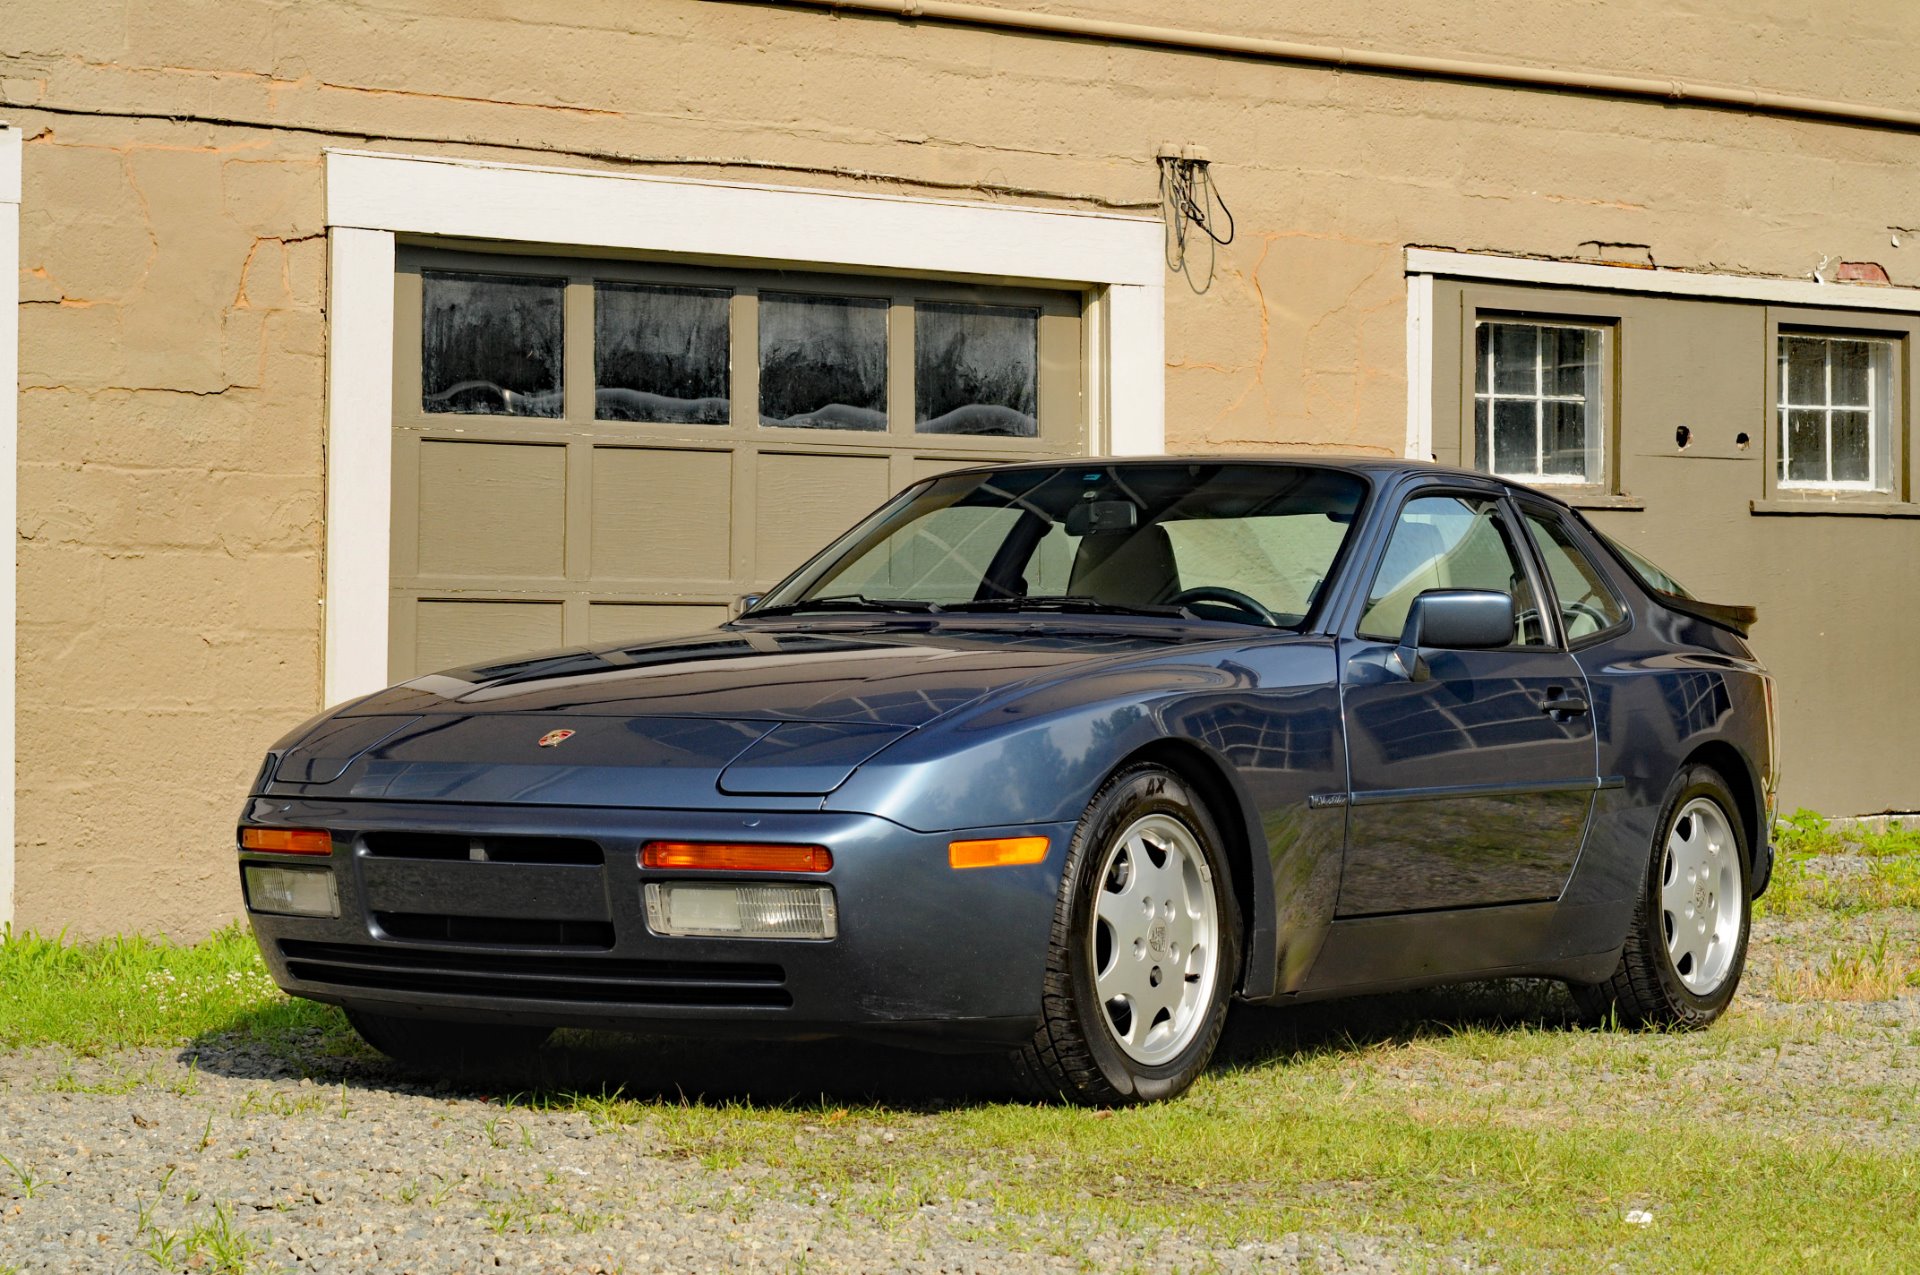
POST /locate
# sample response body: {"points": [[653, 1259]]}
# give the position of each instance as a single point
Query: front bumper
{"points": [[922, 950]]}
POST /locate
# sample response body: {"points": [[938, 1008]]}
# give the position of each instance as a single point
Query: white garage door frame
{"points": [[1424, 265], [10, 160], [373, 197]]}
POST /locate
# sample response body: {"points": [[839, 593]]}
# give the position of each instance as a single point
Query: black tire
{"points": [[1075, 1056], [441, 1048], [1646, 989]]}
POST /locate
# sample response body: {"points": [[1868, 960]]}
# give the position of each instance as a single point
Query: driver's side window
{"points": [[1449, 542]]}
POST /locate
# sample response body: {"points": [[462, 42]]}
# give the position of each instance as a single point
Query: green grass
{"points": [[1803, 880], [1472, 1123], [217, 1244], [125, 992], [1520, 1143]]}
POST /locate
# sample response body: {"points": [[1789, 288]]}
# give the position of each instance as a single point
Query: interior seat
{"points": [[1131, 568]]}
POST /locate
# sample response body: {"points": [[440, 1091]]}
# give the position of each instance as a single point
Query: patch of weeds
{"points": [[1883, 871], [277, 1102], [216, 1245], [30, 1184], [119, 1082], [524, 1211], [1878, 972]]}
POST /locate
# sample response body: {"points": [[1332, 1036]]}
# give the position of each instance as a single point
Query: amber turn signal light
{"points": [[996, 852], [734, 856], [287, 840]]}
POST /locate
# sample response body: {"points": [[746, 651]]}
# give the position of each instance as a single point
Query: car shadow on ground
{"points": [[319, 1046]]}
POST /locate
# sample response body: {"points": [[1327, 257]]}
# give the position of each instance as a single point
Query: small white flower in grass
{"points": [[1639, 1217]]}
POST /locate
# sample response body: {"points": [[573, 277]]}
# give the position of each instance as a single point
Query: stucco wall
{"points": [[173, 269]]}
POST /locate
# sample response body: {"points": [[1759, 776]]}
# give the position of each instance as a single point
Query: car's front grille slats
{"points": [[490, 931], [489, 849], [538, 976]]}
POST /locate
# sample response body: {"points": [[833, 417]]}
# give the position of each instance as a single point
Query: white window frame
{"points": [[11, 156], [1879, 420], [1596, 450], [374, 197], [1842, 307]]}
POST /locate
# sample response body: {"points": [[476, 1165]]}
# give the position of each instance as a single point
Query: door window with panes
{"points": [[1539, 401], [591, 450], [1835, 411]]}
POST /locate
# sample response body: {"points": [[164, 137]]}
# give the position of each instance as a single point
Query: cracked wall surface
{"points": [[173, 274]]}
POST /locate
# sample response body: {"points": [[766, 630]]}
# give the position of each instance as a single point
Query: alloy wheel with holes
{"points": [[1143, 951], [1688, 942]]}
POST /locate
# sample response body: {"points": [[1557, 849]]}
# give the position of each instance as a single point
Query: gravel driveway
{"points": [[234, 1157]]}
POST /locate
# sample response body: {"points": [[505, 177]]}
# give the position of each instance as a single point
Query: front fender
{"points": [[1264, 718]]}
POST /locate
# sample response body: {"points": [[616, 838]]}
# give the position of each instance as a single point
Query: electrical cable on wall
{"points": [[1192, 203]]}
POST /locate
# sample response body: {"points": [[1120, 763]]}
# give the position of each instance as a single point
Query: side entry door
{"points": [[1472, 776]]}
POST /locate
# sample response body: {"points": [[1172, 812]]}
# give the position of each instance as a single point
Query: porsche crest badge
{"points": [[554, 738]]}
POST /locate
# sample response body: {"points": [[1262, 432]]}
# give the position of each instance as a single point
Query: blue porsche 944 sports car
{"points": [[1057, 759]]}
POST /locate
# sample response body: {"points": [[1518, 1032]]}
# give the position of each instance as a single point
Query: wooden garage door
{"points": [[590, 450]]}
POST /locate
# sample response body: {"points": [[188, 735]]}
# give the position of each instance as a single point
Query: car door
{"points": [[1471, 779]]}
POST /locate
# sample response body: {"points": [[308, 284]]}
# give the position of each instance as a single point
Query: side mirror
{"points": [[1454, 620], [745, 603]]}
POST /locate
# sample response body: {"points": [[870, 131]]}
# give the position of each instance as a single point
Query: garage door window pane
{"points": [[976, 369], [491, 344], [660, 354], [823, 361]]}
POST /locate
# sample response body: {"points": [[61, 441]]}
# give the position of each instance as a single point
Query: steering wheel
{"points": [[1587, 609], [1229, 597], [1526, 618]]}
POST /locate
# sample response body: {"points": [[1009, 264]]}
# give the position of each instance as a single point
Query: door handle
{"points": [[1560, 707]]}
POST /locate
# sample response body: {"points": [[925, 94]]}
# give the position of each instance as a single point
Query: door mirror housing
{"points": [[745, 603], [1454, 620]]}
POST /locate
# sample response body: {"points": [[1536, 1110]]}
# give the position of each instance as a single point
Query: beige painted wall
{"points": [[173, 271]]}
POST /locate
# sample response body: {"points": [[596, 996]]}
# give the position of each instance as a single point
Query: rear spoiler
{"points": [[1722, 615], [1732, 617]]}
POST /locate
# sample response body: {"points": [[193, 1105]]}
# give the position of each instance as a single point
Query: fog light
{"points": [[742, 911], [292, 891]]}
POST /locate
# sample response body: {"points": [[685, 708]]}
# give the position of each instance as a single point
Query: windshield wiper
{"points": [[1071, 602], [849, 602]]}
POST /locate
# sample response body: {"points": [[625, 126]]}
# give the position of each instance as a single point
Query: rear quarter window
{"points": [[1588, 604]]}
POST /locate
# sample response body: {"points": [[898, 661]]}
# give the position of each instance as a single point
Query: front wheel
{"points": [[1145, 942], [1688, 943], [447, 1048]]}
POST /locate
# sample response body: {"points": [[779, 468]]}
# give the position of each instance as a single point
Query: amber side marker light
{"points": [[997, 852], [287, 840], [734, 856]]}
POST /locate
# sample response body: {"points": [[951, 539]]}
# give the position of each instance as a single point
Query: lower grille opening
{"points": [[426, 927], [537, 976], [444, 846]]}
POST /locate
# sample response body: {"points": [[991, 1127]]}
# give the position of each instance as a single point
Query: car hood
{"points": [[902, 677], [742, 716]]}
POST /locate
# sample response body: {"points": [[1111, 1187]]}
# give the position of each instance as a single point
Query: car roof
{"points": [[1382, 469]]}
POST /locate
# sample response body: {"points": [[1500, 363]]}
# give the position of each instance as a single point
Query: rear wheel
{"points": [[1688, 943], [1144, 944], [447, 1048]]}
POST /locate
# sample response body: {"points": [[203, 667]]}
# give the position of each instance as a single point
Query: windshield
{"points": [[1247, 543]]}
